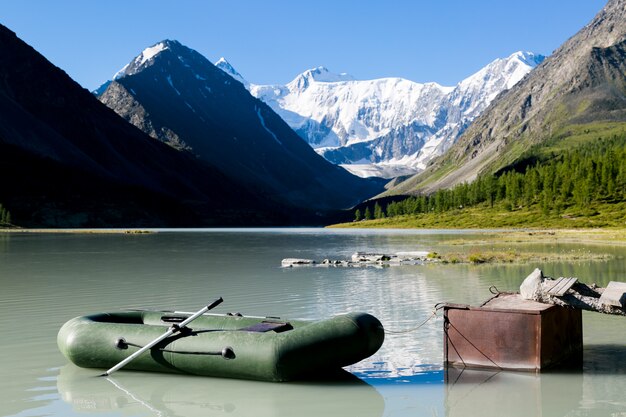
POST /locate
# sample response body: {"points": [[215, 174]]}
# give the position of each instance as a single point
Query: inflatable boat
{"points": [[232, 346]]}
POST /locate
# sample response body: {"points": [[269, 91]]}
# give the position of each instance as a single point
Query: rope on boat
{"points": [[494, 290], [436, 308]]}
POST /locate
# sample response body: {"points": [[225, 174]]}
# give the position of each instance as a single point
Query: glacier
{"points": [[389, 126]]}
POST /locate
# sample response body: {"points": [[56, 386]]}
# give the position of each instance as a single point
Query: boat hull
{"points": [[222, 346]]}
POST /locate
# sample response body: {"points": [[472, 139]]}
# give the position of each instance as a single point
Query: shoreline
{"points": [[476, 247], [80, 231], [609, 236]]}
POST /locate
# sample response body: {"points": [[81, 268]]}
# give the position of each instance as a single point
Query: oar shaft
{"points": [[201, 312], [140, 351], [164, 336]]}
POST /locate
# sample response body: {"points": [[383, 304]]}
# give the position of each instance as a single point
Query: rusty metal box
{"points": [[508, 332]]}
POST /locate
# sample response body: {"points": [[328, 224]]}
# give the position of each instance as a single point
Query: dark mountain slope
{"points": [[176, 95], [75, 162]]}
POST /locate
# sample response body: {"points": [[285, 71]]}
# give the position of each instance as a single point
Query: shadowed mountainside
{"points": [[176, 95], [68, 160]]}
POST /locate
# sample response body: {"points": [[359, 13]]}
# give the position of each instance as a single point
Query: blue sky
{"points": [[273, 41]]}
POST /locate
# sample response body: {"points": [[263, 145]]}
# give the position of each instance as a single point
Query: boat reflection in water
{"points": [[136, 393]]}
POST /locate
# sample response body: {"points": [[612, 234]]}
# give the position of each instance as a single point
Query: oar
{"points": [[164, 336]]}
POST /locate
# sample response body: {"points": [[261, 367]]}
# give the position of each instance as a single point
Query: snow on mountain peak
{"points": [[225, 66], [322, 74], [148, 53], [527, 58], [499, 75], [147, 56], [388, 121]]}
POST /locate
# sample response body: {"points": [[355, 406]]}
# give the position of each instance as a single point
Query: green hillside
{"points": [[575, 182], [575, 96]]}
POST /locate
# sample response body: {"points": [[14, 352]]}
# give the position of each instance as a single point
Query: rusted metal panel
{"points": [[527, 336], [561, 337], [483, 338]]}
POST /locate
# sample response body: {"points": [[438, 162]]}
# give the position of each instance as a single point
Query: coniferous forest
{"points": [[592, 173]]}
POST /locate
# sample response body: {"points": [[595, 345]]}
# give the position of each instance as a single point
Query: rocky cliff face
{"points": [[582, 82]]}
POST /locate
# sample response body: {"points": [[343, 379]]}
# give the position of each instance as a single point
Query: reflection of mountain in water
{"points": [[137, 393]]}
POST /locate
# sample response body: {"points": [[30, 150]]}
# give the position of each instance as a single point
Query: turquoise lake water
{"points": [[49, 278]]}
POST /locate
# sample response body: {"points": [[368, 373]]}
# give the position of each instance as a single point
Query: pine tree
{"points": [[5, 216], [378, 211], [578, 177], [357, 215], [368, 214]]}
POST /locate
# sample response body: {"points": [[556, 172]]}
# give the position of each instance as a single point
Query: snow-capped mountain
{"points": [[390, 126], [228, 69], [176, 95], [74, 163]]}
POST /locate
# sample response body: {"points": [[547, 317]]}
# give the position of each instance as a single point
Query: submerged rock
{"points": [[365, 259], [370, 257], [291, 262]]}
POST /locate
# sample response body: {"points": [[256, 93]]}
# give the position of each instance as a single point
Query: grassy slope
{"points": [[572, 136], [484, 217], [568, 137]]}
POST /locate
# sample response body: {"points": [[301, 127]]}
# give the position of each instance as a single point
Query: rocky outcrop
{"points": [[118, 97]]}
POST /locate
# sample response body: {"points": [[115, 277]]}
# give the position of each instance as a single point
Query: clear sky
{"points": [[271, 41]]}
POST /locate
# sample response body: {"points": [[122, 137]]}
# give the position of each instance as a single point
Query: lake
{"points": [[49, 278]]}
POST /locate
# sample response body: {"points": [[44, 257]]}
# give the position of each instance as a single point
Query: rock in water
{"points": [[290, 262], [531, 286]]}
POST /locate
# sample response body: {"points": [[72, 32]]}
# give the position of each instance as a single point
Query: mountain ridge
{"points": [[73, 162], [391, 125], [175, 94], [581, 82]]}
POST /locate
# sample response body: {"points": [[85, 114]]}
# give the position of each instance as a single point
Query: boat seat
{"points": [[266, 326], [261, 327]]}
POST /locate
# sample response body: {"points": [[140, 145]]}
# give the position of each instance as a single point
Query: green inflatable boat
{"points": [[232, 346]]}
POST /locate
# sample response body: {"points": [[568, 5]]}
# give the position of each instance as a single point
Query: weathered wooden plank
{"points": [[561, 286], [536, 287], [614, 294]]}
